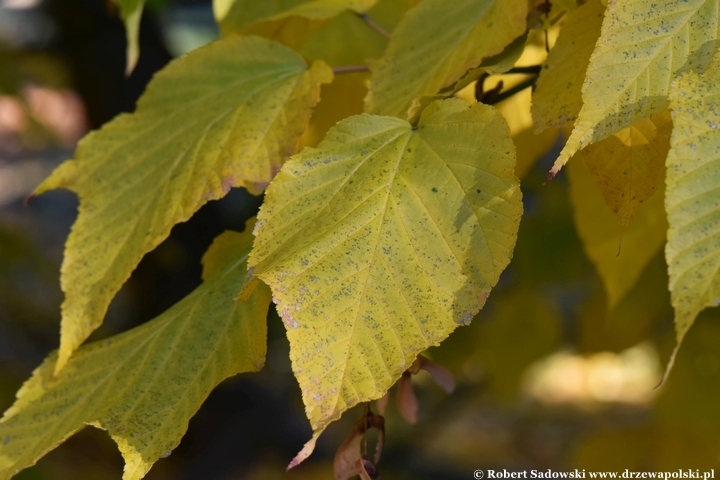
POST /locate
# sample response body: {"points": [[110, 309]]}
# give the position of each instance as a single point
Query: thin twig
{"points": [[370, 23], [531, 69], [351, 69], [512, 91]]}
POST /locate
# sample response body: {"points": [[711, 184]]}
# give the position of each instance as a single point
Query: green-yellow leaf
{"points": [[693, 176], [465, 87], [433, 47], [342, 40], [131, 13], [225, 115], [618, 264], [629, 166], [234, 15], [567, 5], [142, 386], [381, 241], [495, 65], [557, 98], [643, 45]]}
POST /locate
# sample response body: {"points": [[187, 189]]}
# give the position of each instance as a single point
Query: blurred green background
{"points": [[547, 376]]}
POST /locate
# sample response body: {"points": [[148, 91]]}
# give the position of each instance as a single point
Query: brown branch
{"points": [[370, 23], [351, 69]]}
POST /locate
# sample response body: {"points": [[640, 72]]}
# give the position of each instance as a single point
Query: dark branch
{"points": [[512, 91], [370, 23], [351, 69]]}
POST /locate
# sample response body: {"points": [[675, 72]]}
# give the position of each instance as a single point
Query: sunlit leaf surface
{"points": [[381, 241], [225, 115], [692, 199], [643, 46], [433, 47]]}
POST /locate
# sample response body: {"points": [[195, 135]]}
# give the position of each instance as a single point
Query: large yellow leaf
{"points": [[433, 47], [225, 115], [142, 386], [340, 40], [557, 100], [629, 166], [381, 241], [693, 176], [618, 264], [643, 45], [234, 15]]}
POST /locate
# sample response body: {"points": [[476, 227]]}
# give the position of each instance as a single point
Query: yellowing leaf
{"points": [[225, 115], [321, 9], [142, 386], [567, 5], [342, 40], [131, 13], [433, 47], [495, 65], [224, 249], [234, 15], [693, 176], [347, 39], [643, 45], [381, 241], [630, 165], [557, 99], [601, 234]]}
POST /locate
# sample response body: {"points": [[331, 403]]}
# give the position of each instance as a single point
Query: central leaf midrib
{"points": [[355, 321]]}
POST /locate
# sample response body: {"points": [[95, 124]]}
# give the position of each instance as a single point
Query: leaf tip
{"points": [[62, 360], [551, 175], [306, 451], [249, 286], [322, 72], [62, 177], [669, 367]]}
